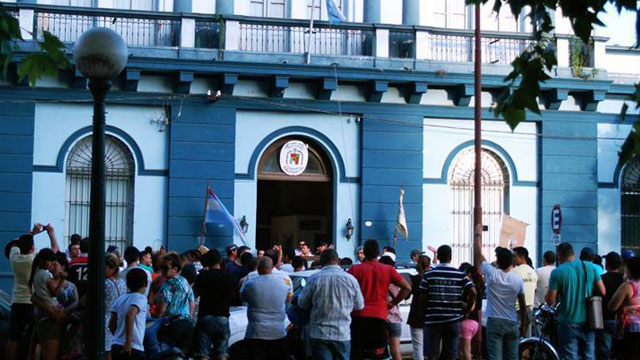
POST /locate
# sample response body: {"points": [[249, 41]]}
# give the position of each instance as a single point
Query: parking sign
{"points": [[556, 219]]}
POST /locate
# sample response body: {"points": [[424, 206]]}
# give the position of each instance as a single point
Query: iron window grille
{"points": [[495, 195], [120, 175], [630, 206]]}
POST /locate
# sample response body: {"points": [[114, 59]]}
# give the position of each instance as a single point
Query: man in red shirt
{"points": [[79, 268], [369, 325]]}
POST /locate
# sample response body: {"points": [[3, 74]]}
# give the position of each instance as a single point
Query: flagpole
{"points": [[310, 37], [203, 226]]}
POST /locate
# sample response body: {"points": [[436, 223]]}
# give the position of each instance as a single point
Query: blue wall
{"points": [[201, 149], [391, 156], [569, 177], [16, 157]]}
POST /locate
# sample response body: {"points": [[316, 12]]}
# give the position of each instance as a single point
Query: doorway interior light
{"points": [[349, 227], [244, 224]]}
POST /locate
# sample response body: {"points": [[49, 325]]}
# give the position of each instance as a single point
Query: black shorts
{"points": [[368, 338], [20, 320]]}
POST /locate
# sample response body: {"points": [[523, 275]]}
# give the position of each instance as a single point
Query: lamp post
{"points": [[100, 54]]}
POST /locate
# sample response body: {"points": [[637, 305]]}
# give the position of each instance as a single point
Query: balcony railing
{"points": [[136, 30], [283, 36], [295, 39]]}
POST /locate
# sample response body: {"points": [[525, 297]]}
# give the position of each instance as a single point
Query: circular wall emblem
{"points": [[293, 157]]}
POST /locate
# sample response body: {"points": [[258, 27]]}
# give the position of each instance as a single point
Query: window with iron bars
{"points": [[495, 194], [630, 206], [120, 175]]}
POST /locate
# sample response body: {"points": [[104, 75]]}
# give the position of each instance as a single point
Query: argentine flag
{"points": [[216, 213], [335, 15]]}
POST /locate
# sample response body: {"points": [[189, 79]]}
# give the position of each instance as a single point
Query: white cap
{"points": [[389, 254]]}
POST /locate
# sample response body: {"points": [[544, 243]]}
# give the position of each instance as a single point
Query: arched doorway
{"points": [[295, 196], [495, 195]]}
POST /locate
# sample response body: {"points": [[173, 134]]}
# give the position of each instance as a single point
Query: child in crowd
{"points": [[128, 319]]}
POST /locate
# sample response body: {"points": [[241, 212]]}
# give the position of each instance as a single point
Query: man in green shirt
{"points": [[571, 284]]}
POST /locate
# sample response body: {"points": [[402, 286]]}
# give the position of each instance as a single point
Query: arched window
{"points": [[495, 190], [120, 171], [630, 206]]}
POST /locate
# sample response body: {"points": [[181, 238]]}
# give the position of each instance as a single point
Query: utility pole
{"points": [[477, 178], [477, 175]]}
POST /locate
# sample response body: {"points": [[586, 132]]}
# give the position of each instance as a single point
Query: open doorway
{"points": [[297, 204]]}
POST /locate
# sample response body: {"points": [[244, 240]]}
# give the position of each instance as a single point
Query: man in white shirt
{"points": [[21, 257], [544, 273], [503, 289], [530, 281]]}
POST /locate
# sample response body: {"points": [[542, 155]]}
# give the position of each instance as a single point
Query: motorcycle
{"points": [[542, 347]]}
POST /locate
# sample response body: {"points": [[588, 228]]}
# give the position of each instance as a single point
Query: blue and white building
{"points": [[213, 90]]}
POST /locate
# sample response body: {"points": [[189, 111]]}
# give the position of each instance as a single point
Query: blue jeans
{"points": [[576, 341], [502, 339], [151, 343], [212, 330], [330, 349], [447, 333], [604, 340]]}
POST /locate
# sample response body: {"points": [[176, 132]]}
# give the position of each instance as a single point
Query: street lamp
{"points": [[100, 54]]}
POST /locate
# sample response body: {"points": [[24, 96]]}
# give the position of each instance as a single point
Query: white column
{"points": [[382, 43], [232, 35], [188, 33], [25, 19], [563, 52], [423, 48], [599, 54]]}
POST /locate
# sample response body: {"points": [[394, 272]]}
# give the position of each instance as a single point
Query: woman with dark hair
{"points": [[469, 326], [626, 301], [46, 290], [416, 311]]}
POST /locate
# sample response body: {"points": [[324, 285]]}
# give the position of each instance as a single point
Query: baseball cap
{"points": [[586, 253], [231, 248], [389, 254], [627, 254]]}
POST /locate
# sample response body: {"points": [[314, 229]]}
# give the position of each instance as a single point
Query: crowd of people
{"points": [[162, 301]]}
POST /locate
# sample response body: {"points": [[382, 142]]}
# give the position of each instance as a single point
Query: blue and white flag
{"points": [[335, 15], [217, 213]]}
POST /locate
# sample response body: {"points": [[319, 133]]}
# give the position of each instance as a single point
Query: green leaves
{"points": [[9, 33], [631, 146], [49, 61]]}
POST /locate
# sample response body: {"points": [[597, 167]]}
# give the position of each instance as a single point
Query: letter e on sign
{"points": [[556, 219]]}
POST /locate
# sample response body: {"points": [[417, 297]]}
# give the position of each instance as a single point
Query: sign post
{"points": [[556, 224]]}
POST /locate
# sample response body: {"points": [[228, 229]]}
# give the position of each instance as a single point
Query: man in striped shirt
{"points": [[448, 296]]}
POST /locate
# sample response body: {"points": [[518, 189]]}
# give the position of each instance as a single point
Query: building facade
{"points": [[214, 91]]}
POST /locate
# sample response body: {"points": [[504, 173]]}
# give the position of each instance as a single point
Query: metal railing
{"points": [[402, 43], [137, 29], [269, 35], [208, 34], [290, 37]]}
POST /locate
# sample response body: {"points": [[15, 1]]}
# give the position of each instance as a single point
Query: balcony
{"points": [[278, 41]]}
